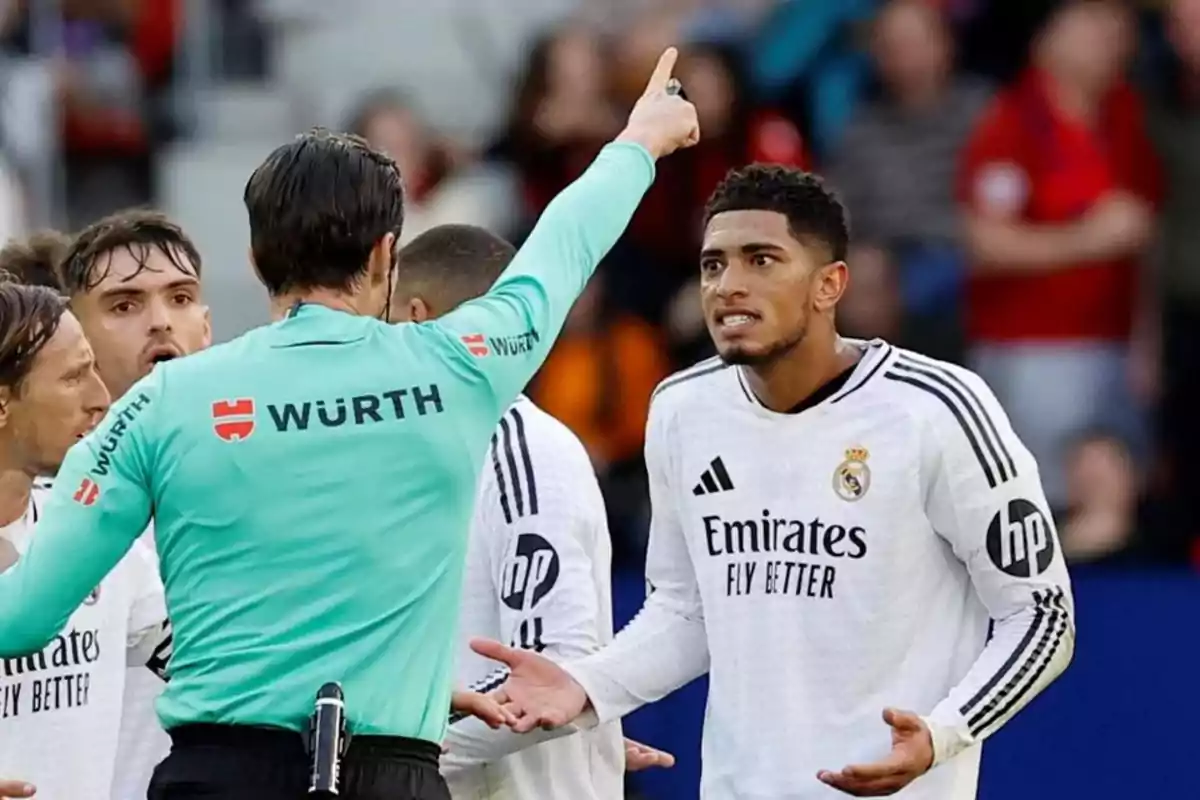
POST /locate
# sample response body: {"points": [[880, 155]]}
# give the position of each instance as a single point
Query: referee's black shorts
{"points": [[229, 762]]}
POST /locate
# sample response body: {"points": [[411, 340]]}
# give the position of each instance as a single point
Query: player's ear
{"points": [[5, 402], [831, 282], [207, 327], [417, 310]]}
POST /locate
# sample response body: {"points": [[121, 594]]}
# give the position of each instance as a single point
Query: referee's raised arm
{"points": [[507, 333], [311, 482]]}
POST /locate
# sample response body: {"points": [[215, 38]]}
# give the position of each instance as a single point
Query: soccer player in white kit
{"points": [[133, 281], [538, 572], [834, 525], [60, 709]]}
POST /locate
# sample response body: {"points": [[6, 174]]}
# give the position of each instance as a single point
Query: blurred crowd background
{"points": [[1023, 178]]}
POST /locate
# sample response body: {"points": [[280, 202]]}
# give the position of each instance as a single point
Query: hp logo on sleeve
{"points": [[1019, 540], [529, 573]]}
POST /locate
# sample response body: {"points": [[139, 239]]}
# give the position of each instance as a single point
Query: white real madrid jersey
{"points": [[60, 709], [824, 565], [538, 576]]}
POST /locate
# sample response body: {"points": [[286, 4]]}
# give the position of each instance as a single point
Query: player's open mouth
{"points": [[735, 320], [160, 354]]}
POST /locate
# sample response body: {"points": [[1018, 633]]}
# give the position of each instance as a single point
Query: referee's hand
{"points": [[910, 758], [538, 692], [16, 789], [662, 121]]}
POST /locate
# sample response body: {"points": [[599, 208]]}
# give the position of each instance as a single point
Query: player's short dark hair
{"points": [[451, 264], [141, 231], [813, 211], [29, 318], [34, 260], [317, 207]]}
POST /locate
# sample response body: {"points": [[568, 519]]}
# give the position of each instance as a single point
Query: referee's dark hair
{"points": [[447, 266], [813, 211], [141, 231], [35, 259], [318, 206], [29, 318]]}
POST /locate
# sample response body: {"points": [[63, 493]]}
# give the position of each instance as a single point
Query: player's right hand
{"points": [[538, 692], [16, 789], [660, 121]]}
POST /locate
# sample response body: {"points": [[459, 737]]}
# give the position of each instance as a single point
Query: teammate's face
{"points": [[759, 286], [144, 310], [60, 400]]}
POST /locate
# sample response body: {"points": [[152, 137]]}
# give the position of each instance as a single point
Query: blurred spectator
{"points": [[598, 380], [561, 115], [441, 182], [1176, 129], [895, 165], [1102, 500], [112, 61], [1059, 183]]}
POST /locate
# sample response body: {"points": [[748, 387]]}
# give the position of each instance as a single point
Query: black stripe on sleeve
{"points": [[161, 657], [1016, 655], [968, 431], [1051, 622], [956, 381], [973, 409], [1059, 623], [530, 481], [500, 484], [511, 459]]}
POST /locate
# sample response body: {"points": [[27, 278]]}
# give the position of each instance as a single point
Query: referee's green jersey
{"points": [[311, 484]]}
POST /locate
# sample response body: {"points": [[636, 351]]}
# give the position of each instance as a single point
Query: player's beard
{"points": [[738, 356]]}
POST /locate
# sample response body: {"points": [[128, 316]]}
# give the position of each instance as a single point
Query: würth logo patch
{"points": [[88, 493], [233, 420], [476, 344]]}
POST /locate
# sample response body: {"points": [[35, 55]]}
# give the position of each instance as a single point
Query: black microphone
{"points": [[327, 742]]}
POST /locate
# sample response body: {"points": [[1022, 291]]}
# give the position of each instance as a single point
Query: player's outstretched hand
{"points": [[910, 758], [483, 706], [661, 120], [538, 692], [640, 756], [16, 789]]}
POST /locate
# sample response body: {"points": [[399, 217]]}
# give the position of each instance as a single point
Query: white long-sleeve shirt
{"points": [[60, 709], [538, 576], [824, 565]]}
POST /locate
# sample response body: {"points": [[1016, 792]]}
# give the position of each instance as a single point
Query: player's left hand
{"points": [[640, 756], [911, 757], [482, 706]]}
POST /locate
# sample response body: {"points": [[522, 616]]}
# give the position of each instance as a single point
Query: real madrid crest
{"points": [[852, 478]]}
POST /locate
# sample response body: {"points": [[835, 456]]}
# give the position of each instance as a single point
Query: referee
{"points": [[311, 482]]}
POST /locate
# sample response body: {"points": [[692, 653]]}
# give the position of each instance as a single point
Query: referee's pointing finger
{"points": [[662, 71]]}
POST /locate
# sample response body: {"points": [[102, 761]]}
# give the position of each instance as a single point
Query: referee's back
{"points": [[312, 482]]}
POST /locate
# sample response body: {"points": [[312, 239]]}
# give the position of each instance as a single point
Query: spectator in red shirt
{"points": [[1059, 184]]}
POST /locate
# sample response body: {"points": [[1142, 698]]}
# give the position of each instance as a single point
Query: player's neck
{"points": [[15, 487], [789, 380]]}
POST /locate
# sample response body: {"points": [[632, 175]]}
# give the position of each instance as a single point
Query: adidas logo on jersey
{"points": [[714, 479]]}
